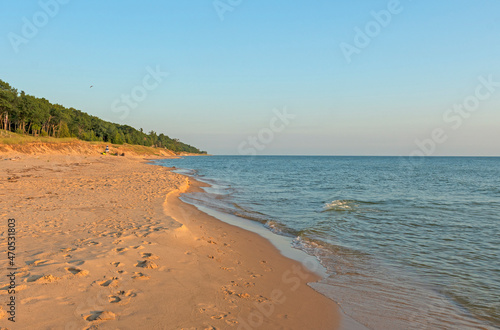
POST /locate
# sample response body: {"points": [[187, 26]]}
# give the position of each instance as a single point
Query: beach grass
{"points": [[7, 137]]}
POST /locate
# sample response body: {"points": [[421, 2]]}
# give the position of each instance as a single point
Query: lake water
{"points": [[407, 244]]}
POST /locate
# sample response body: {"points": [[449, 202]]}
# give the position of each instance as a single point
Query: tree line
{"points": [[27, 114]]}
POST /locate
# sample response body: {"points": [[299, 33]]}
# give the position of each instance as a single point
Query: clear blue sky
{"points": [[226, 76]]}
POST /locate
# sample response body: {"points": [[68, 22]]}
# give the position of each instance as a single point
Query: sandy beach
{"points": [[104, 242]]}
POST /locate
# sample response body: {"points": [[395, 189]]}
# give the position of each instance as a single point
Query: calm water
{"points": [[407, 246]]}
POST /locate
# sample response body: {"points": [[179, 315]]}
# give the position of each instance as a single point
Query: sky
{"points": [[270, 77]]}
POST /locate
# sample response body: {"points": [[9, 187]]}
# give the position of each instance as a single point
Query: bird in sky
{"points": [[91, 86]]}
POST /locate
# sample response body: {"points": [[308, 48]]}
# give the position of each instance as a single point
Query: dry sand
{"points": [[103, 242]]}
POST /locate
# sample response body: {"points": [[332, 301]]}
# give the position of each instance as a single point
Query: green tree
{"points": [[118, 138], [63, 131]]}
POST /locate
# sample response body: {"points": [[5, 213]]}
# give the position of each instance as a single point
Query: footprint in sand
{"points": [[261, 299], [229, 292], [147, 264], [150, 256], [77, 271], [100, 316], [76, 262], [266, 268], [62, 300], [110, 283], [128, 293], [122, 297], [208, 308], [120, 250], [42, 279], [231, 322], [137, 247], [37, 262], [117, 264], [140, 276], [219, 317]]}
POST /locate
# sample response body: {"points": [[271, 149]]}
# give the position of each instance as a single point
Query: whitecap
{"points": [[340, 205]]}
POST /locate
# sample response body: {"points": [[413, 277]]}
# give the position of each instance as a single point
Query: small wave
{"points": [[276, 227], [305, 244], [341, 205], [316, 249]]}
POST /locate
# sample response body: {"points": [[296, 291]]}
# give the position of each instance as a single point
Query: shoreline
{"points": [[365, 291], [125, 251], [281, 243]]}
